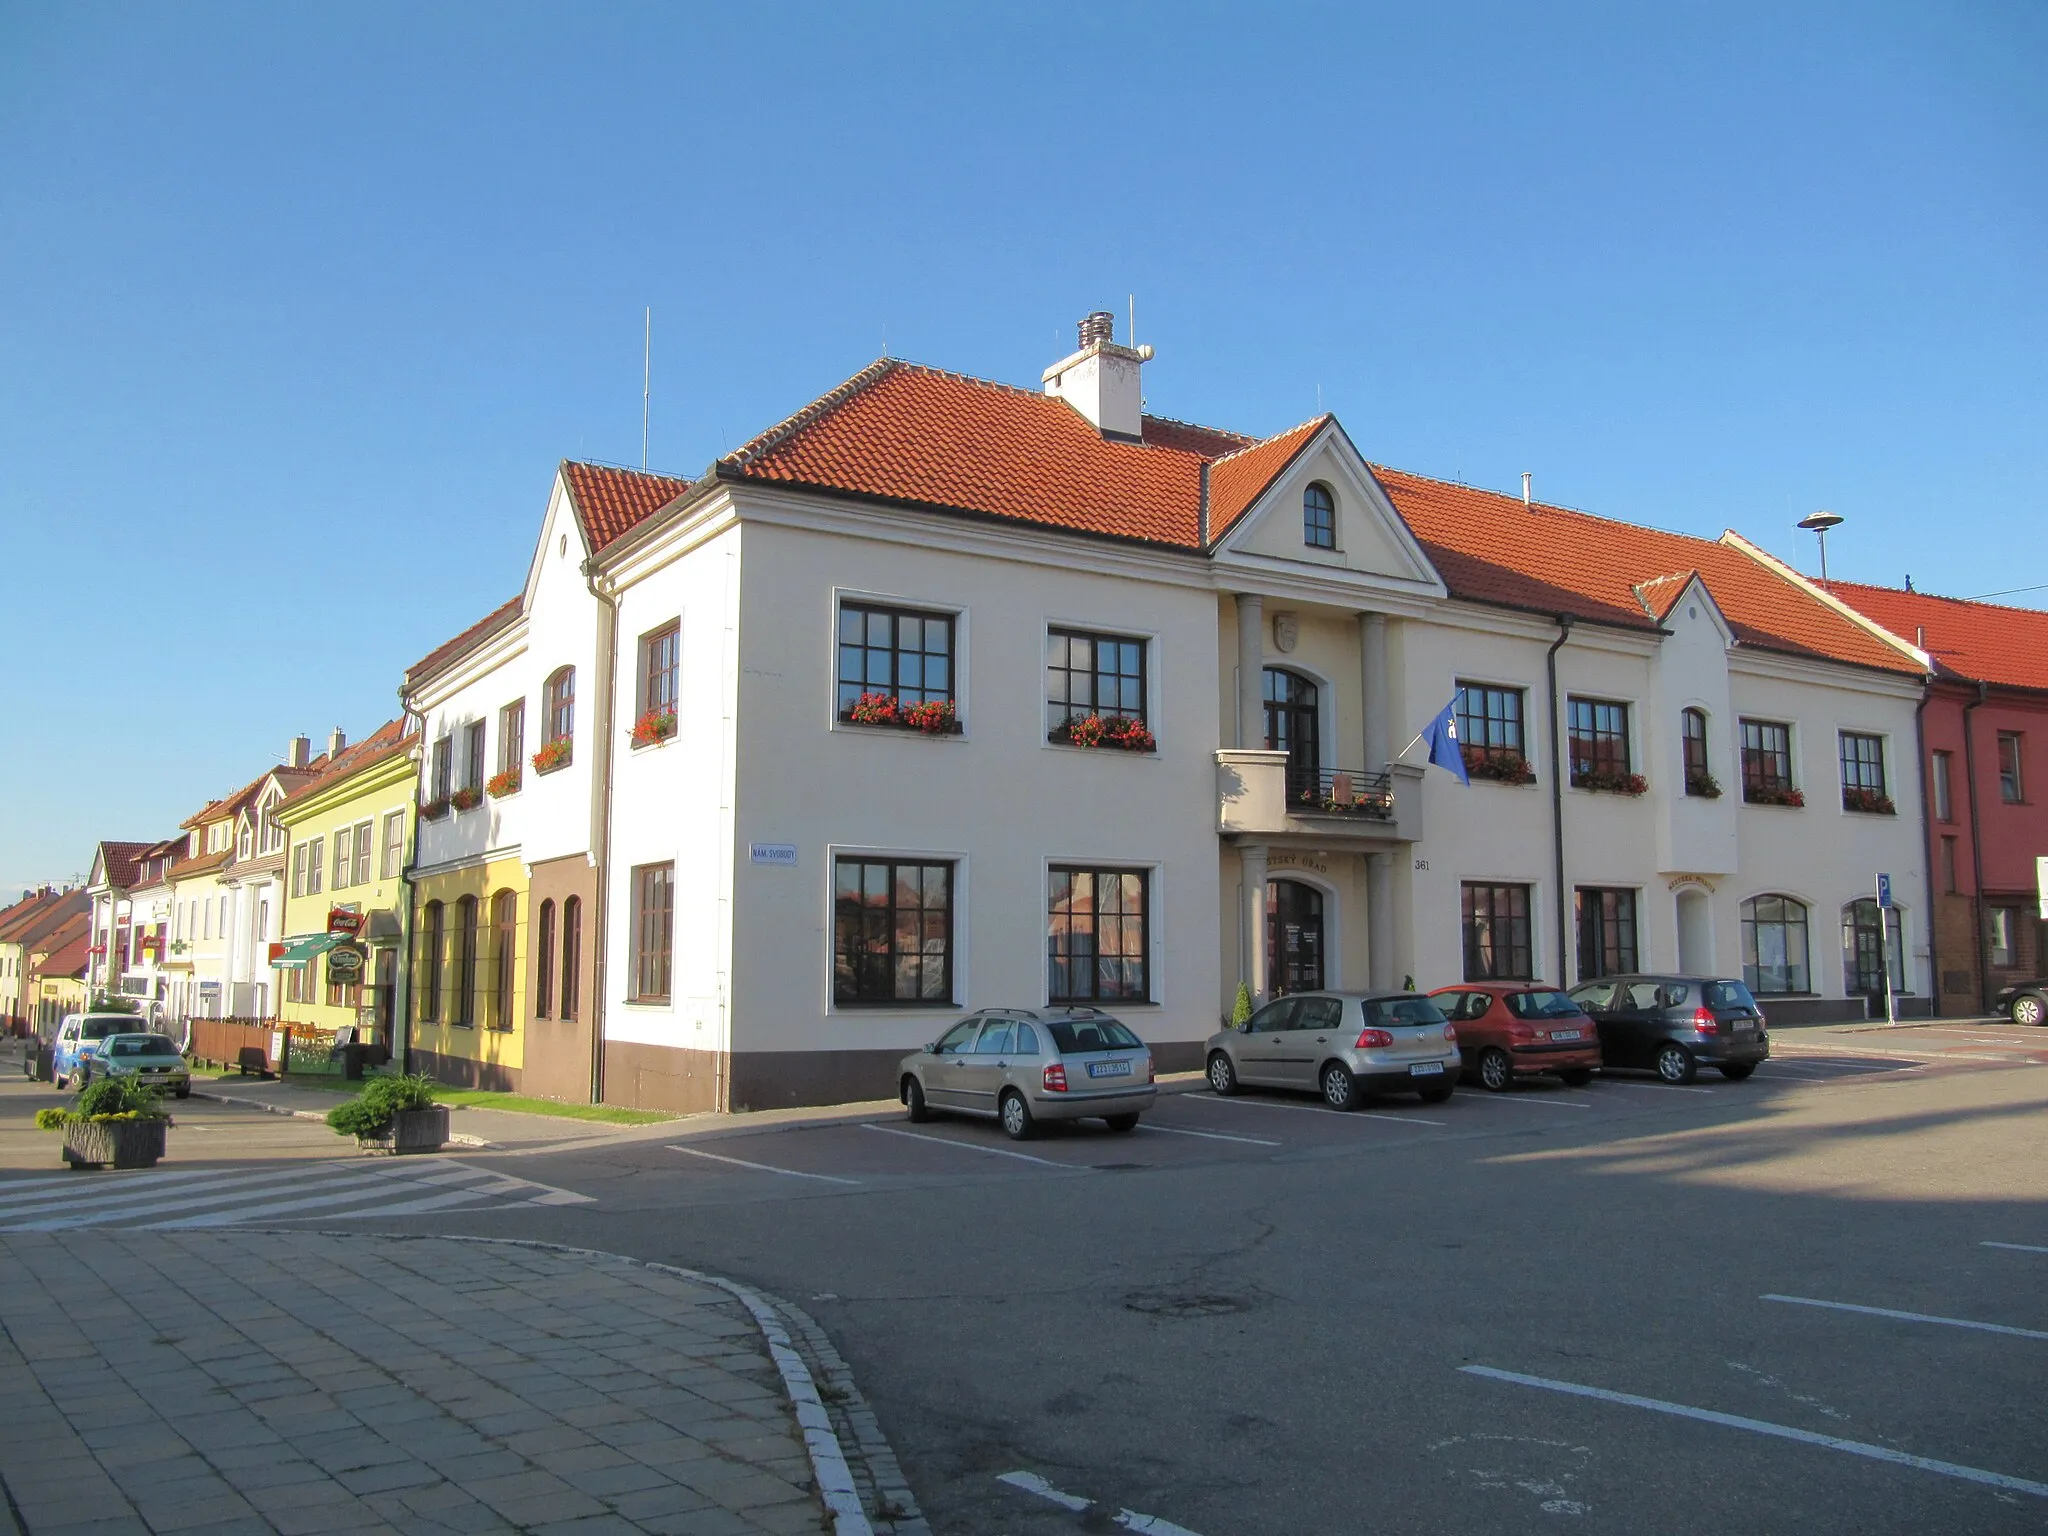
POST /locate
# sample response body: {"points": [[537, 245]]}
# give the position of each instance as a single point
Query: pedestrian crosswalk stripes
{"points": [[239, 1195]]}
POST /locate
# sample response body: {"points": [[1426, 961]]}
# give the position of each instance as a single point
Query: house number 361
{"points": [[1422, 863]]}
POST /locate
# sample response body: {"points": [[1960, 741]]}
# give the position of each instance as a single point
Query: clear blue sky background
{"points": [[300, 305]]}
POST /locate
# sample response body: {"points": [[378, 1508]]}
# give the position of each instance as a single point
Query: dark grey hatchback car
{"points": [[1673, 1025]]}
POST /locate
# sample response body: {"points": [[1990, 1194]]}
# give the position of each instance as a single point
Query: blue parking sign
{"points": [[1884, 891]]}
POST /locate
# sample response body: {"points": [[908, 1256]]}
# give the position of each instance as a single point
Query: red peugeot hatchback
{"points": [[1511, 1029]]}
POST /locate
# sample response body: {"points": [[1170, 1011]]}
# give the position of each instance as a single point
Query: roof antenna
{"points": [[646, 384], [1818, 524]]}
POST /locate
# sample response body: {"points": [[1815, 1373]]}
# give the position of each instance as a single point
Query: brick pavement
{"points": [[237, 1381]]}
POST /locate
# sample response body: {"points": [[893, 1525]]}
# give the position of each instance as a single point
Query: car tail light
{"points": [[1521, 1031], [1056, 1078], [1451, 1034], [1373, 1039], [1149, 1074], [1704, 1021]]}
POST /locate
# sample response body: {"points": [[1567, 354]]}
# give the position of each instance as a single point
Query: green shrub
{"points": [[1241, 1010], [371, 1111], [52, 1118], [111, 1098]]}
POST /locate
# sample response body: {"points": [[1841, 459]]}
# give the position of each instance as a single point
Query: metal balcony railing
{"points": [[1341, 792]]}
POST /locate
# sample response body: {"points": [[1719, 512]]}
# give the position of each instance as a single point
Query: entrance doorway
{"points": [[1291, 727], [1863, 952], [1695, 933], [384, 996], [1294, 937]]}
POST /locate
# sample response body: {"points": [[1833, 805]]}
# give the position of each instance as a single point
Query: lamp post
{"points": [[1818, 523]]}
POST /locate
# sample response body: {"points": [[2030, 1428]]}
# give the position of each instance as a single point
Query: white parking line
{"points": [[966, 1146], [1313, 1109], [1622, 1082], [1910, 1317], [2017, 1247], [1764, 1427], [740, 1162], [1516, 1098], [1174, 1130], [1129, 1519]]}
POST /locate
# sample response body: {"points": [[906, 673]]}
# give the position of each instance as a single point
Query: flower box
{"points": [[934, 717], [499, 785], [656, 725], [1704, 785], [1773, 794], [431, 810], [1870, 801], [1502, 765], [411, 1130], [1114, 732], [1608, 782], [468, 798], [552, 755], [124, 1143]]}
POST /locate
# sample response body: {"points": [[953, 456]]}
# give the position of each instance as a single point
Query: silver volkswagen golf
{"points": [[1020, 1066], [1343, 1045]]}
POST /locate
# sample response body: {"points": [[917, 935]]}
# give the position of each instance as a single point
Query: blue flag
{"points": [[1442, 737]]}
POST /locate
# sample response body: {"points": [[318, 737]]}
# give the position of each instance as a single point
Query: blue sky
{"points": [[300, 305]]}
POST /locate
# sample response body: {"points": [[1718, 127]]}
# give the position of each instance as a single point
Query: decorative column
{"points": [[1378, 691], [1253, 856], [1251, 672], [1379, 922]]}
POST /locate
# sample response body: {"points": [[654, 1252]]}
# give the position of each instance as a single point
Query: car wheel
{"points": [[1736, 1071], [1496, 1070], [61, 1082], [2030, 1009], [1222, 1075], [1340, 1088], [184, 1093], [913, 1097], [1675, 1063], [1017, 1122], [1576, 1077], [1121, 1123], [1440, 1094]]}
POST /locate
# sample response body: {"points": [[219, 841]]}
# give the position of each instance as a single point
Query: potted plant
{"points": [[502, 783], [873, 709], [552, 755], [934, 717], [1856, 798], [1774, 794], [656, 725], [1503, 765], [1610, 781], [393, 1114], [467, 798], [116, 1121]]}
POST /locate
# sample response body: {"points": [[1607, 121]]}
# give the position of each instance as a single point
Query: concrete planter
{"points": [[411, 1130], [124, 1143]]}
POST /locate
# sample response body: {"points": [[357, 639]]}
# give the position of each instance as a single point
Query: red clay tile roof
{"points": [[448, 651], [1490, 548], [206, 863], [387, 741], [610, 500], [228, 805], [29, 920], [905, 433], [1979, 641], [67, 961], [1208, 442], [1239, 480], [118, 861]]}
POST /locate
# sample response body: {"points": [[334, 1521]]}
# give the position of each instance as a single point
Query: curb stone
{"points": [[455, 1138]]}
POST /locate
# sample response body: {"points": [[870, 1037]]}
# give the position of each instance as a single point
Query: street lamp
{"points": [[1818, 523]]}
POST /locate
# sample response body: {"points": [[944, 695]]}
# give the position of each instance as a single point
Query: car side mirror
{"points": [[932, 1049]]}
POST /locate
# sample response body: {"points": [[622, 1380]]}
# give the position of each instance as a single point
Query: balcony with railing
{"points": [[1268, 794]]}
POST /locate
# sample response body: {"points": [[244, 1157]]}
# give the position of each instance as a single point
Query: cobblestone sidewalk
{"points": [[302, 1383]]}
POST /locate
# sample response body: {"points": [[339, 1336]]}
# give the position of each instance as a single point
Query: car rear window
{"points": [[99, 1029], [1729, 994], [1541, 1005], [1072, 1035], [1403, 1011]]}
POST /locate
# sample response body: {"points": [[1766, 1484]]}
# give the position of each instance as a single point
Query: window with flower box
{"points": [[1097, 939], [1597, 740], [1095, 690], [892, 932], [1767, 764], [1692, 739], [1863, 785], [558, 720], [896, 668], [511, 750], [1490, 733], [661, 652]]}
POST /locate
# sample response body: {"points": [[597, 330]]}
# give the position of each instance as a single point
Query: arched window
{"points": [[505, 947], [463, 1011], [1692, 735], [1291, 727], [558, 706], [1774, 954], [572, 953], [544, 959], [431, 940], [1318, 517]]}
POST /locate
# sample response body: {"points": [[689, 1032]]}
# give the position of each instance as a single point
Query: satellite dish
{"points": [[1820, 522]]}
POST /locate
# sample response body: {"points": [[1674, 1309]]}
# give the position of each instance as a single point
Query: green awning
{"points": [[296, 951]]}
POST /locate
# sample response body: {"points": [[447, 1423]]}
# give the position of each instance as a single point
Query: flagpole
{"points": [[1410, 747]]}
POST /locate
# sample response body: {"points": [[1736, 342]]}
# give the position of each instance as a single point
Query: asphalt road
{"points": [[1258, 1316]]}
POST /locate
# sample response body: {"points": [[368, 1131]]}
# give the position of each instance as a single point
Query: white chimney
{"points": [[335, 742], [299, 753], [1101, 379]]}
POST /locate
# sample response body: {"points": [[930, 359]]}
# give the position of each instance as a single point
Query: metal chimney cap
{"points": [[1820, 522]]}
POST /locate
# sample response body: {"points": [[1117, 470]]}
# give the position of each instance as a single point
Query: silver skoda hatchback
{"points": [[1346, 1046], [1019, 1066]]}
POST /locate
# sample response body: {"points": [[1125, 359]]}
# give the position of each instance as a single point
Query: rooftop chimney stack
{"points": [[1100, 380], [299, 753], [335, 742], [1525, 487]]}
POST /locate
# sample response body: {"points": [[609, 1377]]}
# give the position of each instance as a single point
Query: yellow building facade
{"points": [[469, 973]]}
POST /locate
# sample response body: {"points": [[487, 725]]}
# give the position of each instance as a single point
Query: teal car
{"points": [[152, 1060]]}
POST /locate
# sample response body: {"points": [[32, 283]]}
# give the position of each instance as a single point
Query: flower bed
{"points": [[654, 726], [1608, 782], [117, 1121], [552, 755], [934, 717], [1773, 794], [504, 783], [1498, 764], [1868, 800], [1114, 732]]}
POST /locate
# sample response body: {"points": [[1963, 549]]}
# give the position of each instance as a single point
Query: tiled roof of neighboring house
{"points": [[68, 961], [1239, 480], [387, 741], [1491, 548], [205, 864], [447, 652], [229, 804], [118, 862], [1979, 641], [22, 908], [27, 921], [610, 500], [71, 927]]}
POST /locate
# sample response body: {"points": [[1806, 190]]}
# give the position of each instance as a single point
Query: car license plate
{"points": [[1427, 1069], [1109, 1069], [1745, 1029], [1566, 1034]]}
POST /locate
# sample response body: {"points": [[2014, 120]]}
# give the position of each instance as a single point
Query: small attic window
{"points": [[562, 547], [1318, 517]]}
